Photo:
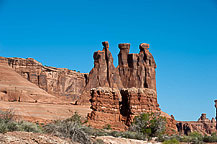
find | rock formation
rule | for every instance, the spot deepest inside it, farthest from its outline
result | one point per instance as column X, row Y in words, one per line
column 14, row 87
column 56, row 81
column 104, row 73
column 203, row 126
column 119, row 94
column 105, row 105
column 137, row 70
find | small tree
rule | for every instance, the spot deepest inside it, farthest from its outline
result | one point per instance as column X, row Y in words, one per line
column 149, row 124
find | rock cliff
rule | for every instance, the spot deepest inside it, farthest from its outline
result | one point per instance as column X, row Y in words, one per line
column 14, row 87
column 56, row 81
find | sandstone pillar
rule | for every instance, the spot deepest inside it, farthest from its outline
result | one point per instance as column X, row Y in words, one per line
column 123, row 55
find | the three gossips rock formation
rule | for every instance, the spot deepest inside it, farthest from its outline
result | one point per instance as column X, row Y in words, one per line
column 119, row 94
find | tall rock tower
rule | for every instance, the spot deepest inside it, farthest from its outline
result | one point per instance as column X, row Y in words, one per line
column 137, row 70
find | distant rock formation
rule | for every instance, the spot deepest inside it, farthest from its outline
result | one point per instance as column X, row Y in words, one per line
column 203, row 126
column 14, row 87
column 56, row 81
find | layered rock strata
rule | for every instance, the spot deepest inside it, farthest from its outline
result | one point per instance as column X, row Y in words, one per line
column 56, row 81
column 118, row 95
column 111, row 106
column 105, row 105
column 14, row 87
column 203, row 126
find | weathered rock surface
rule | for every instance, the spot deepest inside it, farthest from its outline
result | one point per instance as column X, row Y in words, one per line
column 137, row 70
column 56, row 81
column 105, row 105
column 117, row 108
column 104, row 73
column 14, row 87
column 119, row 94
column 31, row 138
column 115, row 140
column 203, row 126
column 136, row 101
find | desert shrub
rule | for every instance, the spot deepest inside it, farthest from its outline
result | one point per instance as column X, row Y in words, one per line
column 107, row 127
column 98, row 141
column 7, row 115
column 70, row 128
column 95, row 132
column 171, row 141
column 212, row 138
column 149, row 124
column 8, row 123
column 29, row 127
column 193, row 138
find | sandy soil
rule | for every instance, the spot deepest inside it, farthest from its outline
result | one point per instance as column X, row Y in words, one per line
column 43, row 113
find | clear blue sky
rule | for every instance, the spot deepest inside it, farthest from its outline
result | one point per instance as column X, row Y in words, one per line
column 182, row 35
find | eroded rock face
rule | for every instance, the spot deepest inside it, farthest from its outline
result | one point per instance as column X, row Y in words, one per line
column 105, row 105
column 203, row 126
column 104, row 73
column 136, row 101
column 13, row 87
column 119, row 94
column 137, row 70
column 117, row 108
column 56, row 81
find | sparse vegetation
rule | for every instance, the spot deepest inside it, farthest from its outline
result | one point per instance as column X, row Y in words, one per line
column 171, row 141
column 8, row 123
column 143, row 127
column 70, row 128
column 151, row 125
column 193, row 138
column 108, row 127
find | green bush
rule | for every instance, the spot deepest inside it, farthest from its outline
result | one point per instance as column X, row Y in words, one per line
column 108, row 127
column 149, row 124
column 212, row 138
column 29, row 127
column 171, row 141
column 8, row 123
column 70, row 128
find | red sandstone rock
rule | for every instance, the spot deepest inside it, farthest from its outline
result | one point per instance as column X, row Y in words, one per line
column 137, row 70
column 136, row 101
column 104, row 73
column 14, row 87
column 203, row 126
column 56, row 81
column 124, row 92
column 105, row 105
